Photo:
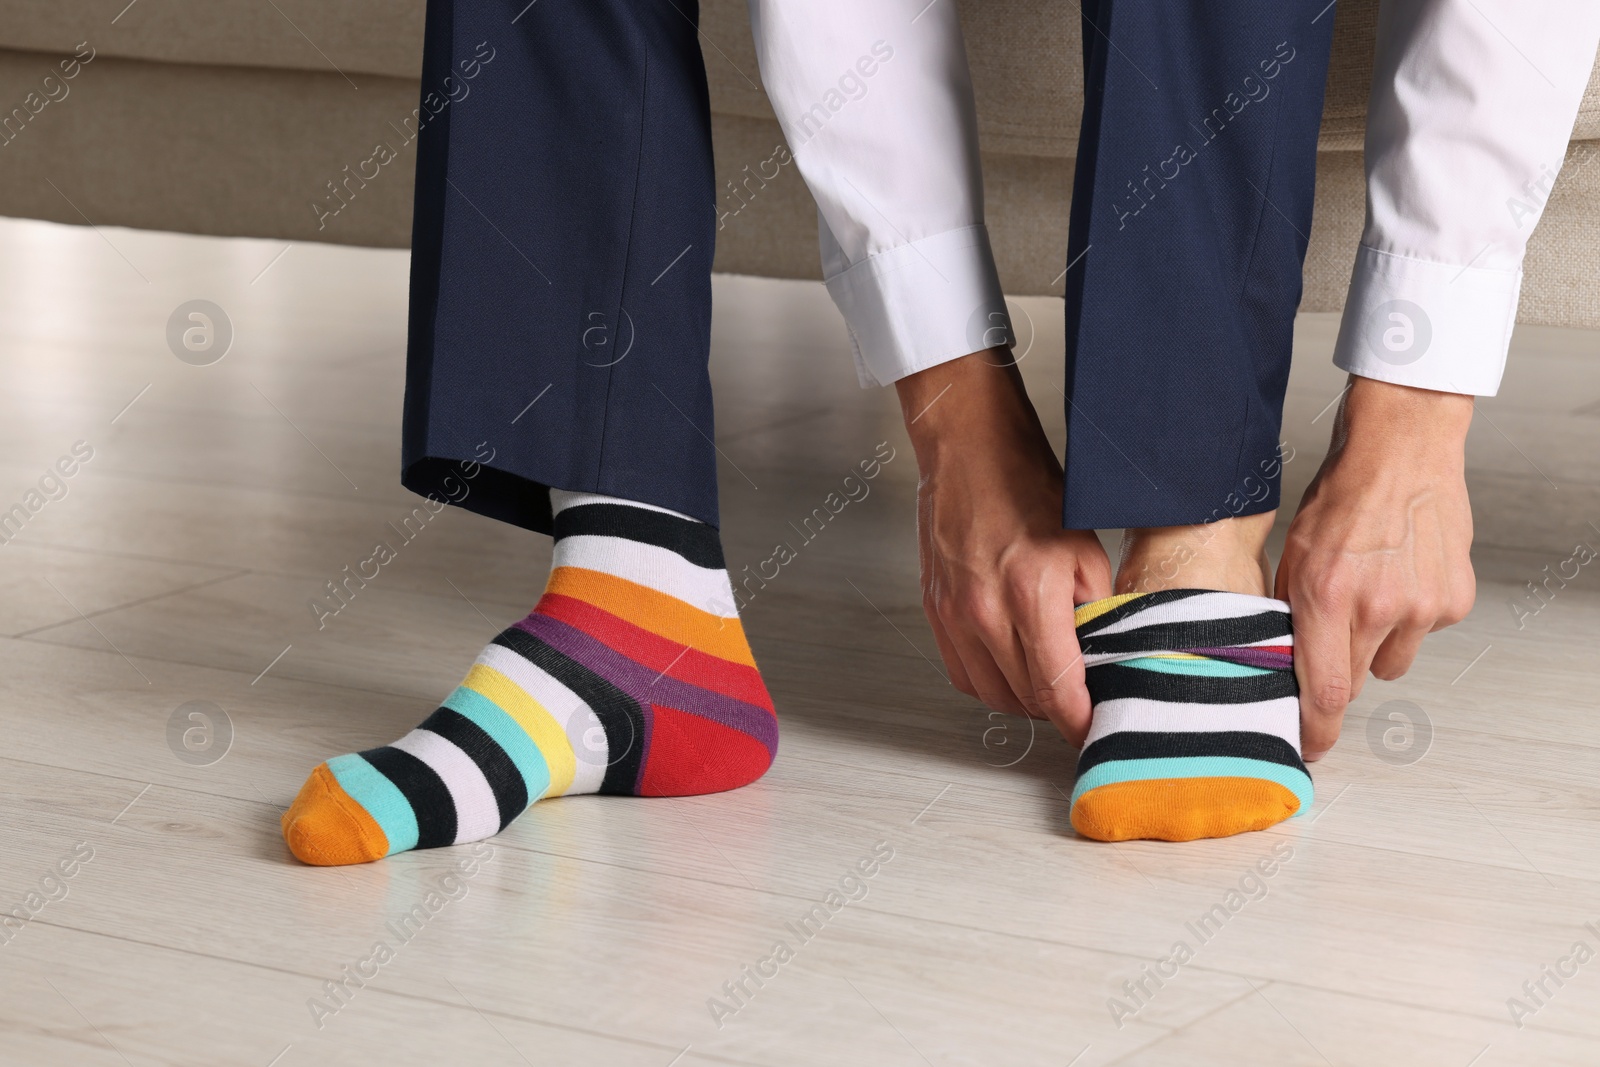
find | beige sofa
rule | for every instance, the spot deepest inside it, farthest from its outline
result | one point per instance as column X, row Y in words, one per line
column 232, row 116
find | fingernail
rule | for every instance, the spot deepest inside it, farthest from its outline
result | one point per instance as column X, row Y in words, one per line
column 1312, row 757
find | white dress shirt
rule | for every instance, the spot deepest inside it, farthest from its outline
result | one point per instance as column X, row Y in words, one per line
column 875, row 99
column 1473, row 102
column 1472, row 106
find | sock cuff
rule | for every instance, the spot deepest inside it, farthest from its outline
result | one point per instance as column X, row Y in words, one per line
column 1107, row 612
column 1227, row 629
column 621, row 538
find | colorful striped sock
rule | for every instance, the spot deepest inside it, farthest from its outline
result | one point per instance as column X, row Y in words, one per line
column 631, row 676
column 1196, row 728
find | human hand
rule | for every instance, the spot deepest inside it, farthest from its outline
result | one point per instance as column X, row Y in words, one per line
column 1000, row 577
column 1378, row 555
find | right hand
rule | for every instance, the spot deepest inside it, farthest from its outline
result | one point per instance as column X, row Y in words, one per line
column 1000, row 577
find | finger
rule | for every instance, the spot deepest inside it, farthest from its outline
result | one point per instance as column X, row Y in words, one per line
column 1365, row 640
column 1322, row 667
column 1398, row 651
column 994, row 688
column 1005, row 643
column 934, row 584
column 1092, row 580
column 947, row 652
column 986, row 639
column 1463, row 592
column 1020, row 675
column 964, row 650
column 999, row 636
column 1055, row 667
column 1060, row 693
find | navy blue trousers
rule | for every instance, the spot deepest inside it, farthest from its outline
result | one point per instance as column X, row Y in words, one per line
column 1190, row 214
column 565, row 224
column 561, row 259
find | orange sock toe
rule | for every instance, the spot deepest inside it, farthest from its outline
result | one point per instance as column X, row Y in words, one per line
column 326, row 828
column 1182, row 809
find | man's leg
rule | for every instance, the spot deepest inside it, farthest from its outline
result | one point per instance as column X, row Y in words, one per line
column 562, row 247
column 1191, row 206
column 560, row 324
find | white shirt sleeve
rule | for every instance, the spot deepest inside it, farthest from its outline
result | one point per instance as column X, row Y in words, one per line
column 875, row 100
column 1473, row 102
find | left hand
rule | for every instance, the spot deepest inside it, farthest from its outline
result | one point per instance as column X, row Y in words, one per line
column 1378, row 555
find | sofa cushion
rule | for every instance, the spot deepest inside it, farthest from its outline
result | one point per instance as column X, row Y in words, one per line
column 1027, row 73
column 1026, row 55
column 352, row 37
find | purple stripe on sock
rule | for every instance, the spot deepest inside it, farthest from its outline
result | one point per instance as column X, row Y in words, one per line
column 1250, row 657
column 649, row 687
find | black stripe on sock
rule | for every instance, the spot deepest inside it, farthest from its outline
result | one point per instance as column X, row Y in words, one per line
column 694, row 541
column 1145, row 600
column 619, row 714
column 1200, row 633
column 510, row 791
column 424, row 790
column 1112, row 681
column 1243, row 744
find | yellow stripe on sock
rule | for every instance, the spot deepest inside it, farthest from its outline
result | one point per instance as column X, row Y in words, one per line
column 1096, row 608
column 663, row 615
column 532, row 717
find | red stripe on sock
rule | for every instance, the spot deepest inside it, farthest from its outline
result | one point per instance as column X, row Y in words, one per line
column 690, row 755
column 658, row 653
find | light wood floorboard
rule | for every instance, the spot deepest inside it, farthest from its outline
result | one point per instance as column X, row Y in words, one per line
column 178, row 566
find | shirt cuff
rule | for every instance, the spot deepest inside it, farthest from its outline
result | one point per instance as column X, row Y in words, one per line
column 1429, row 325
column 923, row 303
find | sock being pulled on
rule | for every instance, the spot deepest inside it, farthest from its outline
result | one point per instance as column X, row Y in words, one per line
column 1196, row 727
column 631, row 676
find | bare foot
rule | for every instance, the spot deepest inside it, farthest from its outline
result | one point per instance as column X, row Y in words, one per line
column 1229, row 555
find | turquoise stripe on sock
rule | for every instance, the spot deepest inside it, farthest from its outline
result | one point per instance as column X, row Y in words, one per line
column 383, row 800
column 507, row 734
column 1143, row 770
column 1204, row 668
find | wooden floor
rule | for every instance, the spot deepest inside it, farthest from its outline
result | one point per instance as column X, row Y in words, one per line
column 1443, row 866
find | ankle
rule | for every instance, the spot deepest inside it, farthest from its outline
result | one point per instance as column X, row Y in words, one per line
column 1228, row 555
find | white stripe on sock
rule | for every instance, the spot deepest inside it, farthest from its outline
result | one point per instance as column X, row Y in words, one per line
column 657, row 568
column 1279, row 717
column 477, row 811
column 582, row 726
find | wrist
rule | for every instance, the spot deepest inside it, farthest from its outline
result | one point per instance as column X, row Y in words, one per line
column 975, row 405
column 1401, row 420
